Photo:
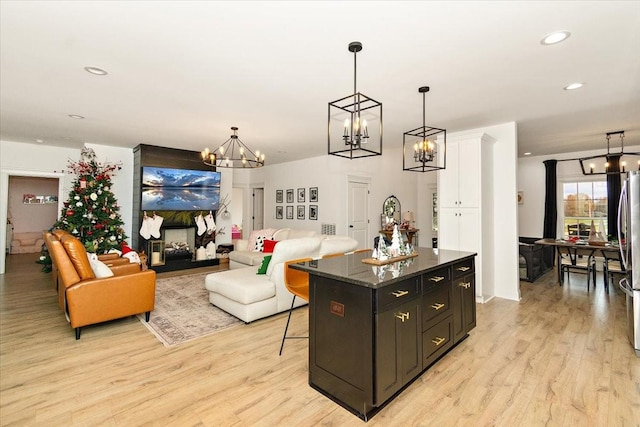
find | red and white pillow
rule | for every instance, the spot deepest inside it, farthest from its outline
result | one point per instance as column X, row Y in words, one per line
column 257, row 238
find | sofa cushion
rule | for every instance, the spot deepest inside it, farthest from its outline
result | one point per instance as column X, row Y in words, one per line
column 100, row 269
column 257, row 237
column 289, row 249
column 268, row 246
column 337, row 244
column 265, row 263
column 298, row 234
column 242, row 285
column 246, row 257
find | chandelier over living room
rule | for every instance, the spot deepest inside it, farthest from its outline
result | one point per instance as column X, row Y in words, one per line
column 611, row 163
column 355, row 121
column 233, row 153
column 424, row 148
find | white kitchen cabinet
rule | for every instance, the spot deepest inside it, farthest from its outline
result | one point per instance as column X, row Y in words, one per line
column 465, row 195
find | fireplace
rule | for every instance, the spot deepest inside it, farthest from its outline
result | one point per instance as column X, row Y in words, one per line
column 177, row 244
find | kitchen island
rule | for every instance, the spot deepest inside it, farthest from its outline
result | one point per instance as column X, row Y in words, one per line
column 375, row 329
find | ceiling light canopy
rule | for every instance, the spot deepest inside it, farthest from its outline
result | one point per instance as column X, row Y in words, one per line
column 233, row 153
column 555, row 37
column 574, row 86
column 611, row 162
column 95, row 70
column 355, row 121
column 424, row 148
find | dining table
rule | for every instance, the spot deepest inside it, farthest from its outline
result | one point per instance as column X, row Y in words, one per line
column 576, row 248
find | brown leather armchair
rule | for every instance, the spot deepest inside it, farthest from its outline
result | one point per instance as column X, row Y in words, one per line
column 89, row 300
column 109, row 259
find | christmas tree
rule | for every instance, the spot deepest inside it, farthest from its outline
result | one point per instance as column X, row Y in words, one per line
column 91, row 212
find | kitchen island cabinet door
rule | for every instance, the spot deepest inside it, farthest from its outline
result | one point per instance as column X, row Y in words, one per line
column 398, row 348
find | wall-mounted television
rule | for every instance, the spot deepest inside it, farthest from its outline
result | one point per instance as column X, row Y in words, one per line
column 166, row 189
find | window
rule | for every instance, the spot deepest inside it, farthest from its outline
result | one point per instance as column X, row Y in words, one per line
column 583, row 203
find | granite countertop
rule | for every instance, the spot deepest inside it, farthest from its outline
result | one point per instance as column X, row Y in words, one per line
column 351, row 269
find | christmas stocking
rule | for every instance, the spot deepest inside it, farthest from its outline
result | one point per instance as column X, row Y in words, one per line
column 202, row 227
column 154, row 227
column 211, row 224
column 144, row 229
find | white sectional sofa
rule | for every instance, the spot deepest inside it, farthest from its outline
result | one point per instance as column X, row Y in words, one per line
column 250, row 296
column 243, row 256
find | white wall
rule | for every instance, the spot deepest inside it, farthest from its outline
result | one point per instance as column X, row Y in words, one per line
column 32, row 217
column 330, row 174
column 19, row 159
column 531, row 180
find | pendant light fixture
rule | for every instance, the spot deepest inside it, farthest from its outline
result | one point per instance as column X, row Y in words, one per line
column 233, row 153
column 355, row 121
column 612, row 162
column 424, row 148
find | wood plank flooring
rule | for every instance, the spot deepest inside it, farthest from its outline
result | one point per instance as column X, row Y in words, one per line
column 559, row 357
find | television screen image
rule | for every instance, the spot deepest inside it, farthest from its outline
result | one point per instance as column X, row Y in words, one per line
column 179, row 189
column 165, row 177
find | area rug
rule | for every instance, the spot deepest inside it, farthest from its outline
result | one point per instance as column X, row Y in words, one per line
column 183, row 312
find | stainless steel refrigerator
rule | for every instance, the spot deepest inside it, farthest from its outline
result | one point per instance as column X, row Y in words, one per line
column 629, row 230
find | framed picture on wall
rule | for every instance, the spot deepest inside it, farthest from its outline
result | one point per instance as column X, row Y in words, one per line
column 290, row 195
column 289, row 212
column 313, row 194
column 278, row 196
column 278, row 212
column 301, row 195
column 313, row 212
column 300, row 211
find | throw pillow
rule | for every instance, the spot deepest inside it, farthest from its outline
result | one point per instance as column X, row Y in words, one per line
column 264, row 265
column 268, row 246
column 100, row 269
column 257, row 237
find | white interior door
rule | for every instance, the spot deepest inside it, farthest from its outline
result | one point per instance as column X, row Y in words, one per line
column 358, row 215
column 258, row 209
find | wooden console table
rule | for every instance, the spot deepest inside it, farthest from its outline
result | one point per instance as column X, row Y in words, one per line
column 375, row 329
column 409, row 232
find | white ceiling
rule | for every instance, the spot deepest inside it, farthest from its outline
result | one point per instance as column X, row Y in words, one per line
column 182, row 73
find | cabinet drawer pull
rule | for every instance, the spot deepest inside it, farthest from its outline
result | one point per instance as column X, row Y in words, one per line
column 399, row 294
column 437, row 306
column 465, row 285
column 463, row 268
column 438, row 340
column 402, row 316
column 436, row 278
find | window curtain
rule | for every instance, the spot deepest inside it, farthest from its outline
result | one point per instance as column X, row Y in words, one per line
column 550, row 200
column 614, row 188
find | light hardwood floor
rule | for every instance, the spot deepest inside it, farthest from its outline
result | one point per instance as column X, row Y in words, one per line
column 558, row 357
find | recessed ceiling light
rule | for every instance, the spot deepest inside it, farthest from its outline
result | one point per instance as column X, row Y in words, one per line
column 76, row 116
column 527, row 153
column 555, row 37
column 573, row 86
column 39, row 141
column 95, row 70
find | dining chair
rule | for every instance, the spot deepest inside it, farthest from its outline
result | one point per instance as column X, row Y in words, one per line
column 612, row 266
column 576, row 260
column 297, row 282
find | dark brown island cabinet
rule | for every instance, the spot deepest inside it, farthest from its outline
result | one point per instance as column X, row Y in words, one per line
column 375, row 329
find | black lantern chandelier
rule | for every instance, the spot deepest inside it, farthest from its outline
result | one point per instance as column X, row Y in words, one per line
column 233, row 153
column 611, row 163
column 355, row 122
column 424, row 148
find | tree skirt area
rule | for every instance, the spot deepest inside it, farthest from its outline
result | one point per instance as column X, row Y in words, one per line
column 183, row 311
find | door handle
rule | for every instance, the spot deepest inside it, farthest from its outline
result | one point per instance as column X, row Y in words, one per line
column 350, row 226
